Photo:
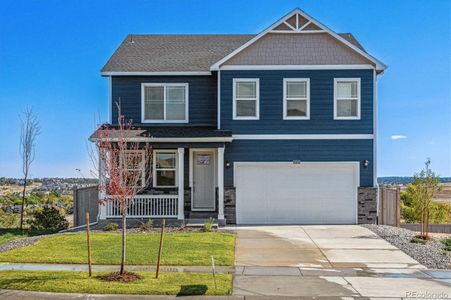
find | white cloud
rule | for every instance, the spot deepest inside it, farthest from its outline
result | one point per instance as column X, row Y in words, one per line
column 398, row 137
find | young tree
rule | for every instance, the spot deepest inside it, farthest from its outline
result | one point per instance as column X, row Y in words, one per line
column 121, row 162
column 423, row 189
column 29, row 131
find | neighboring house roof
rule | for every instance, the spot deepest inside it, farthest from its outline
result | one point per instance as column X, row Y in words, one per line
column 200, row 53
column 157, row 132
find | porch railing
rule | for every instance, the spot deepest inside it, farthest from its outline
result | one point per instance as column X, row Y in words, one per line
column 146, row 206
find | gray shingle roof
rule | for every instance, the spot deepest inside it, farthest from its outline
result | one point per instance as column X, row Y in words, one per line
column 178, row 52
column 166, row 132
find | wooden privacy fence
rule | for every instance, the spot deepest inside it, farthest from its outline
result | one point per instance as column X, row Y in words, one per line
column 86, row 199
column 389, row 206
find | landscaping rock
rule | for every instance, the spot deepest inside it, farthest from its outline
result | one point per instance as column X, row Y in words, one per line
column 432, row 254
column 22, row 242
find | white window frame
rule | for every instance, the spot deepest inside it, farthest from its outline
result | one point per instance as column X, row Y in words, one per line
column 143, row 167
column 257, row 99
column 154, row 168
column 336, row 80
column 285, row 99
column 164, row 85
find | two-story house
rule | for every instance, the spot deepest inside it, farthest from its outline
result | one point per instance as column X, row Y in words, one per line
column 273, row 128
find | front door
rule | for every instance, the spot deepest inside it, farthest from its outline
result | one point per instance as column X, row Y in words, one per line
column 203, row 181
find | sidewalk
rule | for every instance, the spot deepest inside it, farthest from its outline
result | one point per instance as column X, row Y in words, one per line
column 342, row 282
column 113, row 268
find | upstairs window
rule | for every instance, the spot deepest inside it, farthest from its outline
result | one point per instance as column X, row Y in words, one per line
column 165, row 102
column 296, row 99
column 164, row 168
column 347, row 98
column 246, row 99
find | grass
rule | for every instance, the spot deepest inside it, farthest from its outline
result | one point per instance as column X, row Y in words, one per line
column 9, row 234
column 79, row 282
column 447, row 243
column 183, row 249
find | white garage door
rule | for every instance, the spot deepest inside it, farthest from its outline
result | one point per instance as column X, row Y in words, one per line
column 306, row 193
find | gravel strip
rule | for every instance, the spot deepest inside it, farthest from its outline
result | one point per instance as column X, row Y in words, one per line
column 430, row 255
column 22, row 242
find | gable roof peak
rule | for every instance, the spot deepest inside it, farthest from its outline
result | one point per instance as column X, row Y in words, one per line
column 299, row 22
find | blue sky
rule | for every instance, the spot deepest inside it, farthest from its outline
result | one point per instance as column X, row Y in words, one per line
column 51, row 53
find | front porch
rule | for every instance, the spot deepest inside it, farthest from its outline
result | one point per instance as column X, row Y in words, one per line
column 187, row 183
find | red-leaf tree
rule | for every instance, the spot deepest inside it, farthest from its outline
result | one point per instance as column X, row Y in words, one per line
column 123, row 169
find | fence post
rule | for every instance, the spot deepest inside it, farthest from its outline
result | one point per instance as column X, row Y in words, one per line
column 163, row 224
column 398, row 206
column 89, row 244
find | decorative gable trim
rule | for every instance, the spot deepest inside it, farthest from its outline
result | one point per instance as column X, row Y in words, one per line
column 298, row 21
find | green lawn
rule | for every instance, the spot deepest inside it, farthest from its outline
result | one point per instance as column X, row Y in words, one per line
column 7, row 234
column 79, row 282
column 183, row 249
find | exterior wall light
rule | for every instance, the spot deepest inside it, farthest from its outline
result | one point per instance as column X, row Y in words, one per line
column 227, row 164
column 366, row 163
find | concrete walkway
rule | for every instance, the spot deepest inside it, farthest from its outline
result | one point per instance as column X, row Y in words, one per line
column 113, row 268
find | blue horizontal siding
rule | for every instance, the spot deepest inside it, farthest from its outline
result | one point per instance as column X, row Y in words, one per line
column 321, row 103
column 202, row 97
column 303, row 150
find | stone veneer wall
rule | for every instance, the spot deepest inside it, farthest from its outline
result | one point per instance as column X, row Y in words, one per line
column 230, row 205
column 367, row 205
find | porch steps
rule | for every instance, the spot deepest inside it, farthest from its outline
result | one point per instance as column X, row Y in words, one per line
column 199, row 223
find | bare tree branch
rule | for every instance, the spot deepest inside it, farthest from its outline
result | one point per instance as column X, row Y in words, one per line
column 30, row 129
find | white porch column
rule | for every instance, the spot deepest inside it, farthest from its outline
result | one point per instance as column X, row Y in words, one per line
column 102, row 208
column 221, row 183
column 181, row 184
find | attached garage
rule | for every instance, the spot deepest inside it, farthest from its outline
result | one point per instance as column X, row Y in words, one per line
column 305, row 193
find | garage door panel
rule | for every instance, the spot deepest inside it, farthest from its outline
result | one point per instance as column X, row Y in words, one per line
column 319, row 193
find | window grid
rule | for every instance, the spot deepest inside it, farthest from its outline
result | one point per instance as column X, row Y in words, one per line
column 287, row 98
column 159, row 169
column 350, row 98
column 165, row 101
column 236, row 81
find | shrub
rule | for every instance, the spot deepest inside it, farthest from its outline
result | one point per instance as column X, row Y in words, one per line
column 208, row 226
column 418, row 240
column 447, row 243
column 8, row 219
column 49, row 217
column 439, row 212
column 146, row 226
column 111, row 227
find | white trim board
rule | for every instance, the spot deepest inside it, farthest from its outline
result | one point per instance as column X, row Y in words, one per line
column 303, row 136
column 296, row 67
column 171, row 140
column 170, row 73
column 379, row 65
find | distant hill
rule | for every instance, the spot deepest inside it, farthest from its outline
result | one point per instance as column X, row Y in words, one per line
column 395, row 180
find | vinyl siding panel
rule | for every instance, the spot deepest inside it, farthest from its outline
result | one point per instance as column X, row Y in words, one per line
column 202, row 93
column 303, row 150
column 321, row 103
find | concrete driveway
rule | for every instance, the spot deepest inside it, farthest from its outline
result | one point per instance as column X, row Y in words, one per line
column 328, row 261
column 325, row 246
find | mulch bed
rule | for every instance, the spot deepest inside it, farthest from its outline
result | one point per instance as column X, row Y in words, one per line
column 116, row 276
